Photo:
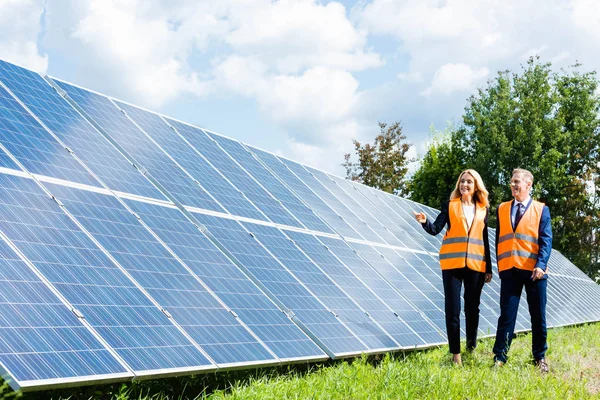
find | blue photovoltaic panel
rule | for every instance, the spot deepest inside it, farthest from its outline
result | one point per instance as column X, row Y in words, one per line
column 404, row 209
column 322, row 287
column 263, row 267
column 34, row 147
column 403, row 217
column 40, row 338
column 334, row 185
column 304, row 192
column 360, row 229
column 76, row 133
column 235, row 174
column 144, row 337
column 145, row 153
column 211, row 180
column 242, row 155
column 379, row 210
column 420, row 330
column 234, row 288
column 431, row 307
column 167, row 281
column 355, row 288
column 559, row 264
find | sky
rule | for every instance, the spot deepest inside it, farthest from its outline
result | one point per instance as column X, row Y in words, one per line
column 299, row 78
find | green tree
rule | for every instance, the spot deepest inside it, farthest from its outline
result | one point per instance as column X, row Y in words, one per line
column 548, row 123
column 384, row 164
column 439, row 168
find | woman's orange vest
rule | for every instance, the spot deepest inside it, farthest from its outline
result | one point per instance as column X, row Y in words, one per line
column 462, row 247
column 518, row 248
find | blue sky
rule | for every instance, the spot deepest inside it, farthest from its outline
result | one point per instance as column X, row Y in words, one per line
column 300, row 78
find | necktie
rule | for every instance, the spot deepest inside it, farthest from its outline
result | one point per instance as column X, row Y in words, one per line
column 519, row 215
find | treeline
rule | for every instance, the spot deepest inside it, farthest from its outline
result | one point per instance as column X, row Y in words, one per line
column 543, row 120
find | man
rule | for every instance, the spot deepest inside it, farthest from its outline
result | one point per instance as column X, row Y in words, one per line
column 523, row 245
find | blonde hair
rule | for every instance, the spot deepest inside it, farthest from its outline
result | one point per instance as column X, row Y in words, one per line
column 481, row 194
column 523, row 172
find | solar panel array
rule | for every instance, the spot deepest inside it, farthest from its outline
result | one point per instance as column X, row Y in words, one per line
column 133, row 245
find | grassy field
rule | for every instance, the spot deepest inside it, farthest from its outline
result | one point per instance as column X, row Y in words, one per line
column 574, row 358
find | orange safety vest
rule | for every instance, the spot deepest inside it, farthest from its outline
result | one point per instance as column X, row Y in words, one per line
column 518, row 248
column 462, row 247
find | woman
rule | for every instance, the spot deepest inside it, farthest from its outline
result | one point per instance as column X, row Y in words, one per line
column 464, row 256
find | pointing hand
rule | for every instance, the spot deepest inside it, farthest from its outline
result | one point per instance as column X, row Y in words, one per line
column 420, row 217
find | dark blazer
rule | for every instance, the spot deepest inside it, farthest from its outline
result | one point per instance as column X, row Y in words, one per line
column 435, row 227
column 544, row 238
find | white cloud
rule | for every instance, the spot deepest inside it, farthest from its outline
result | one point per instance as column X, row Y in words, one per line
column 450, row 78
column 292, row 35
column 19, row 28
column 132, row 46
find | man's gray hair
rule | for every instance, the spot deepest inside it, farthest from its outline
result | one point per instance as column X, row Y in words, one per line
column 523, row 172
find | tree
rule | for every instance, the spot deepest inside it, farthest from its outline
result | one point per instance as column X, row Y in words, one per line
column 439, row 168
column 384, row 164
column 548, row 123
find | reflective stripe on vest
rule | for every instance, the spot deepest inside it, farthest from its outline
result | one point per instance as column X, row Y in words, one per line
column 518, row 248
column 460, row 247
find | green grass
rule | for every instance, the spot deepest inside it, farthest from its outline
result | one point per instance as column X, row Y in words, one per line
column 573, row 355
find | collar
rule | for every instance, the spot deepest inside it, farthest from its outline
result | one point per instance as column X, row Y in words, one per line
column 525, row 203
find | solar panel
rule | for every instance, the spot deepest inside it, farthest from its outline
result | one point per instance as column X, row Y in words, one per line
column 163, row 277
column 422, row 329
column 360, row 229
column 415, row 292
column 368, row 299
column 221, row 276
column 133, row 245
column 322, row 324
column 41, row 341
column 318, row 283
column 252, row 189
column 199, row 169
column 34, row 147
column 353, row 204
column 386, row 215
column 108, row 300
column 275, row 165
column 304, row 214
column 144, row 151
column 77, row 135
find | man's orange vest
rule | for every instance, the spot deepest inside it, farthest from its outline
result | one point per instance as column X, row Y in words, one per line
column 462, row 247
column 518, row 248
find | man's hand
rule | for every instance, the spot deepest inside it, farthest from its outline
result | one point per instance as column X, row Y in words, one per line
column 420, row 217
column 488, row 277
column 538, row 273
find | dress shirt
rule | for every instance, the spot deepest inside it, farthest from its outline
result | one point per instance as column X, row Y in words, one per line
column 515, row 207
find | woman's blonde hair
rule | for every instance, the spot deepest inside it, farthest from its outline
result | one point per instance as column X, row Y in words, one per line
column 481, row 194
